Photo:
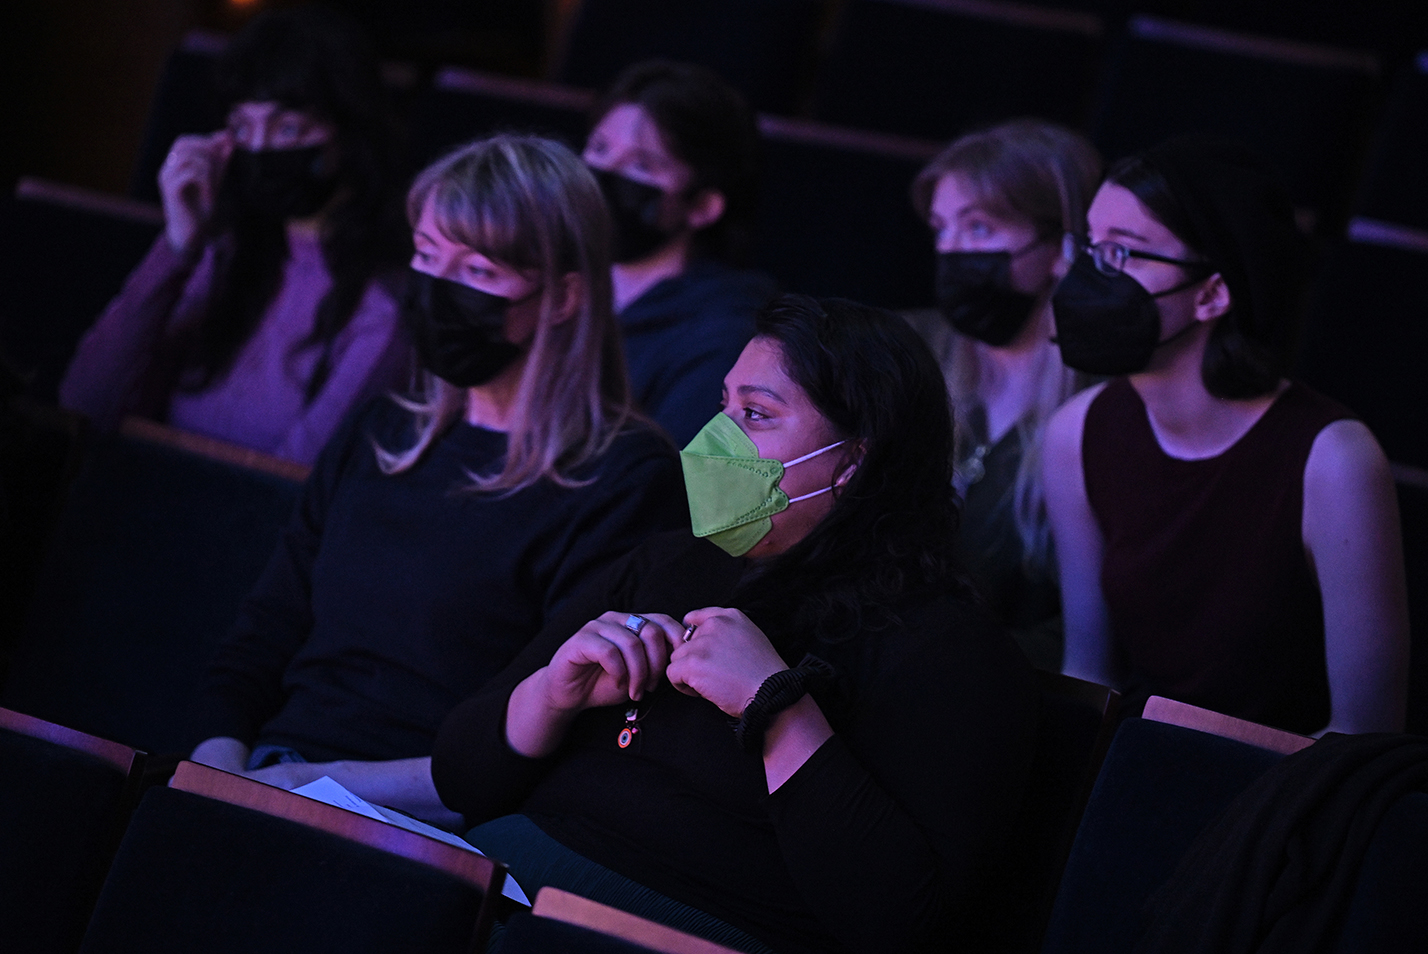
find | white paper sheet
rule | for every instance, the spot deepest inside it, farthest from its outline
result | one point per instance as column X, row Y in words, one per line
column 326, row 790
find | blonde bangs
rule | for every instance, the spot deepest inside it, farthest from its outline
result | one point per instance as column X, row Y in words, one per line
column 532, row 205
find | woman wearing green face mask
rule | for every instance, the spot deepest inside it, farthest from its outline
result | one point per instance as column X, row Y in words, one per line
column 796, row 730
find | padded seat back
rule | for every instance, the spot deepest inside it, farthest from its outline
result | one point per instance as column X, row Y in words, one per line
column 1394, row 187
column 1305, row 107
column 1074, row 729
column 834, row 215
column 760, row 47
column 1366, row 339
column 63, row 255
column 62, row 808
column 186, row 101
column 1387, row 913
column 198, row 874
column 153, row 554
column 938, row 68
column 461, row 105
column 1158, row 787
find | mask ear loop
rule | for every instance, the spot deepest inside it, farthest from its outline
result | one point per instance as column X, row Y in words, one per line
column 799, row 460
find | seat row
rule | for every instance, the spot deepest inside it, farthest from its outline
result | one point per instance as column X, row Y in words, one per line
column 222, row 863
column 932, row 69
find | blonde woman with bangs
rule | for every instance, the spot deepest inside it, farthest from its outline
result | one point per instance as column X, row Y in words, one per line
column 438, row 531
column 999, row 202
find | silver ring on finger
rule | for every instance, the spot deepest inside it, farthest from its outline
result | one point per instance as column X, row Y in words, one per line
column 634, row 623
column 689, row 632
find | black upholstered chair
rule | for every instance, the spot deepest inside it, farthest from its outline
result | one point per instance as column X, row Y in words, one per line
column 154, row 552
column 1366, row 340
column 186, row 101
column 460, row 105
column 1159, row 786
column 565, row 923
column 1074, row 729
column 221, row 863
column 1386, row 914
column 64, row 799
column 1393, row 187
column 936, row 70
column 1306, row 107
column 834, row 216
column 64, row 252
column 761, row 47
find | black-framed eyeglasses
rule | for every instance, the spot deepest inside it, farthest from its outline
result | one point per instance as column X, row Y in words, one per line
column 1110, row 257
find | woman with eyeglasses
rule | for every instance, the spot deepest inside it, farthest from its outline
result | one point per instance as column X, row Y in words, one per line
column 1226, row 536
column 999, row 202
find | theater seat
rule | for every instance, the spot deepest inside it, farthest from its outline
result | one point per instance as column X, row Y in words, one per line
column 834, row 215
column 760, row 47
column 565, row 923
column 461, row 105
column 1158, row 787
column 220, row 863
column 64, row 252
column 64, row 799
column 1075, row 722
column 1394, row 187
column 938, row 68
column 154, row 551
column 1306, row 107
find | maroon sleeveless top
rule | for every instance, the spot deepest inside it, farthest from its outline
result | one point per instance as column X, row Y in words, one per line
column 1205, row 577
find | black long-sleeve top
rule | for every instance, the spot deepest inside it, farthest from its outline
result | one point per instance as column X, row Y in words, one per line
column 874, row 843
column 390, row 598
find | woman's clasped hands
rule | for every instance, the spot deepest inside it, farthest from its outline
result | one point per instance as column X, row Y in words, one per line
column 716, row 653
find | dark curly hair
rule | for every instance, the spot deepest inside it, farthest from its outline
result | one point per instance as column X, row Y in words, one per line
column 314, row 60
column 891, row 531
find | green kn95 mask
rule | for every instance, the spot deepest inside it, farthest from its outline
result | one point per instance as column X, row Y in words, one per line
column 732, row 490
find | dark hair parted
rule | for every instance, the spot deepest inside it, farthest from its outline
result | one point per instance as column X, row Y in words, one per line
column 1226, row 205
column 891, row 530
column 316, row 61
column 705, row 123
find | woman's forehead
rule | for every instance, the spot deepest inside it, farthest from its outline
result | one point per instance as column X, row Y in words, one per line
column 761, row 367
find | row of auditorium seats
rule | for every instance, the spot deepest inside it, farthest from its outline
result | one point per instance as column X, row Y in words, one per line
column 131, row 577
column 221, row 863
column 835, row 220
column 931, row 69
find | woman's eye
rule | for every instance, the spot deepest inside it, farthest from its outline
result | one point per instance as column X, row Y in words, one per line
column 750, row 414
column 979, row 229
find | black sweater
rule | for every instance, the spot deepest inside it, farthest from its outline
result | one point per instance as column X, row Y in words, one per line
column 391, row 598
column 873, row 844
column 683, row 335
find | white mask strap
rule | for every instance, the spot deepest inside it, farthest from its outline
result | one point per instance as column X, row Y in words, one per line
column 805, row 457
column 794, row 500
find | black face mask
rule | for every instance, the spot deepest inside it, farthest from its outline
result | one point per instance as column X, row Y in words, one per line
column 280, row 183
column 635, row 209
column 1108, row 324
column 460, row 332
column 975, row 294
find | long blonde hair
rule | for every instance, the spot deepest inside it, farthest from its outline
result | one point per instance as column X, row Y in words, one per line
column 1045, row 174
column 531, row 204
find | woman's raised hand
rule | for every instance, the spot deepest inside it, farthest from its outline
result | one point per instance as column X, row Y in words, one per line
column 725, row 660
column 606, row 662
column 188, row 185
